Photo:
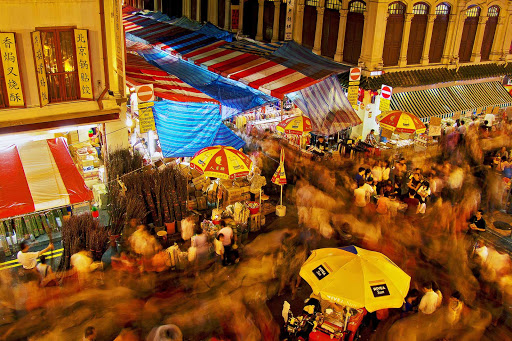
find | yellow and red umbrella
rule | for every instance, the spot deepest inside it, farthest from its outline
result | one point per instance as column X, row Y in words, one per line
column 221, row 162
column 296, row 125
column 401, row 122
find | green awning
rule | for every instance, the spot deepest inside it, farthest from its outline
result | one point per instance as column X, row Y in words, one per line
column 445, row 101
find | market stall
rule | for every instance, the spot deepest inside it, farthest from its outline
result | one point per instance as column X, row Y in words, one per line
column 27, row 206
column 400, row 129
column 347, row 283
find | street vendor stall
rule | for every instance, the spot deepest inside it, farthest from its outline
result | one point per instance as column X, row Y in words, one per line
column 347, row 282
column 399, row 128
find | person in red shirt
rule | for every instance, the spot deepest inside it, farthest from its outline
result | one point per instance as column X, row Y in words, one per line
column 413, row 204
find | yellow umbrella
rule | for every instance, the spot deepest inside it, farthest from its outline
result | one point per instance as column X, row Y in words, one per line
column 296, row 125
column 401, row 122
column 356, row 278
column 221, row 162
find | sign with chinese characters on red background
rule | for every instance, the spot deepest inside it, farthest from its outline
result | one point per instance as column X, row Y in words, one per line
column 84, row 64
column 235, row 16
column 11, row 70
column 40, row 68
column 288, row 28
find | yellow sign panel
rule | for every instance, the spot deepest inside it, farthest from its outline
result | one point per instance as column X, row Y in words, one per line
column 146, row 120
column 353, row 93
column 384, row 104
column 11, row 70
column 146, row 104
column 40, row 68
column 84, row 64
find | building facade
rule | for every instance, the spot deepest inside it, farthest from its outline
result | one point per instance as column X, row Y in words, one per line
column 376, row 35
column 62, row 64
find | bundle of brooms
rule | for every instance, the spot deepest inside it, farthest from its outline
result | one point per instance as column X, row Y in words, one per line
column 82, row 232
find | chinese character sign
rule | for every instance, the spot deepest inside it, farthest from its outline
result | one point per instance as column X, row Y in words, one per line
column 11, row 70
column 40, row 68
column 119, row 34
column 83, row 62
column 235, row 15
column 288, row 28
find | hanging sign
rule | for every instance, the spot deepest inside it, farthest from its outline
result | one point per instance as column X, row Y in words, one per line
column 40, row 68
column 496, row 110
column 385, row 98
column 84, row 64
column 288, row 28
column 11, row 69
column 434, row 130
column 456, row 115
column 235, row 17
column 435, row 121
column 146, row 119
column 488, row 110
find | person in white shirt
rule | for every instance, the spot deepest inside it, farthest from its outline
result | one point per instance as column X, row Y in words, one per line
column 363, row 193
column 428, row 303
column 481, row 251
column 377, row 172
column 29, row 259
column 385, row 171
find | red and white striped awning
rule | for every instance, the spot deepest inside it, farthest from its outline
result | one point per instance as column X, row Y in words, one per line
column 39, row 175
column 269, row 77
column 139, row 71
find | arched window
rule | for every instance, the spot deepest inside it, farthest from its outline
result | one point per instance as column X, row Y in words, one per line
column 313, row 3
column 394, row 31
column 420, row 9
column 490, row 29
column 442, row 9
column 357, row 6
column 439, row 33
column 417, row 32
column 469, row 33
column 333, row 4
column 354, row 31
column 473, row 11
column 396, row 8
column 330, row 28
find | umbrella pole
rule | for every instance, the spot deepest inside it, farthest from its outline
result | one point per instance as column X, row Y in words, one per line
column 218, row 185
column 281, row 195
column 260, row 197
column 347, row 317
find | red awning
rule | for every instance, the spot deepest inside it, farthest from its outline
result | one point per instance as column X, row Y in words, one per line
column 39, row 175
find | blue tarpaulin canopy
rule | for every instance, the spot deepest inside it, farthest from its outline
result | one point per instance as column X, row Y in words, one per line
column 234, row 97
column 186, row 128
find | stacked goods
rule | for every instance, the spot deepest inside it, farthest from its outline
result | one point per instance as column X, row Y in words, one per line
column 86, row 160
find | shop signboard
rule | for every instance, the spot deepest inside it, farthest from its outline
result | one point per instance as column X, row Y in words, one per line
column 385, row 97
column 84, row 64
column 40, row 68
column 456, row 115
column 12, row 75
column 120, row 49
column 235, row 16
column 496, row 110
column 288, row 28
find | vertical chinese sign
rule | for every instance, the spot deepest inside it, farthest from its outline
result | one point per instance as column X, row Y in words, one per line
column 120, row 50
column 40, row 68
column 84, row 64
column 235, row 15
column 288, row 29
column 11, row 70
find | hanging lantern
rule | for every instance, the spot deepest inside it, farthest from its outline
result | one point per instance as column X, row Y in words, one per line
column 95, row 212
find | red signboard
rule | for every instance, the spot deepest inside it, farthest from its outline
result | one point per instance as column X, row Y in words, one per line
column 386, row 92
